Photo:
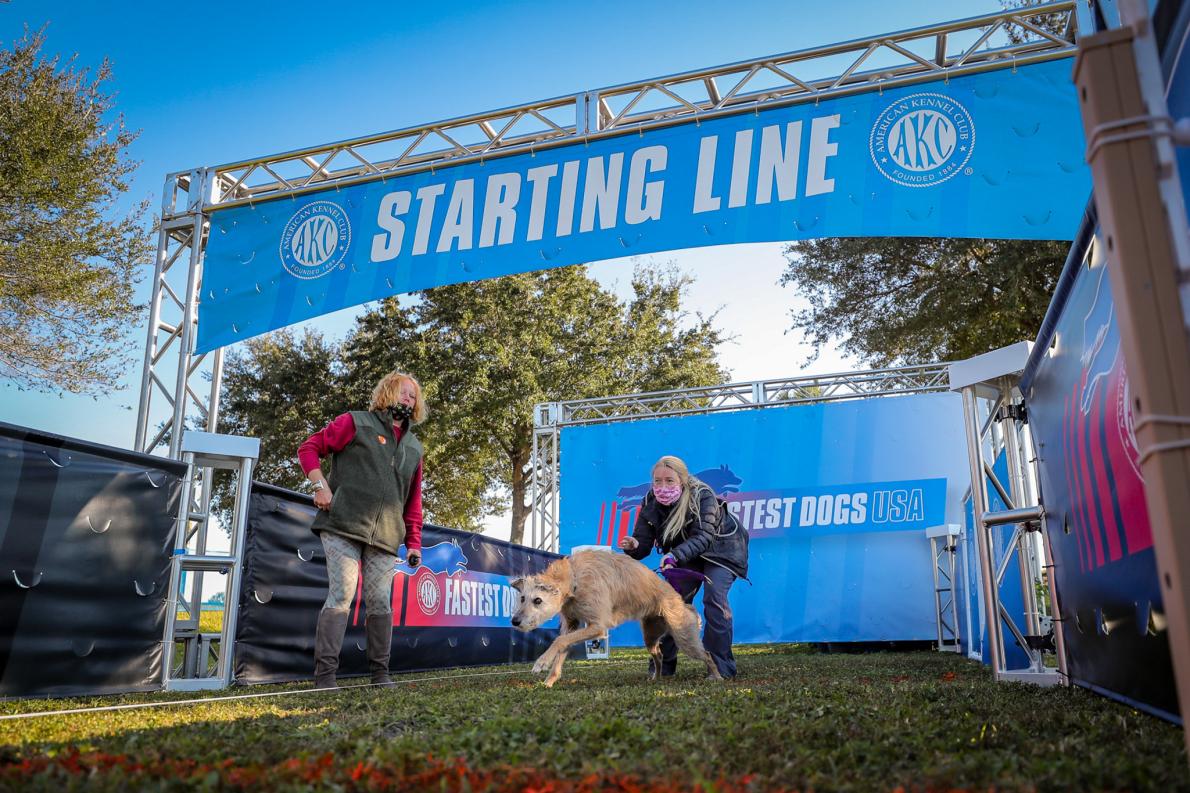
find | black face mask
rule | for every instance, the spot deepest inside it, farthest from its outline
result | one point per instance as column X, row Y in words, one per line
column 401, row 412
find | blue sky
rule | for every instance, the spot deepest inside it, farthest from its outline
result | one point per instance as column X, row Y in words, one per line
column 214, row 82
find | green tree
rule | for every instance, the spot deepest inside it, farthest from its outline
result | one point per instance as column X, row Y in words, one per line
column 487, row 352
column 67, row 271
column 1051, row 23
column 386, row 338
column 280, row 388
column 908, row 300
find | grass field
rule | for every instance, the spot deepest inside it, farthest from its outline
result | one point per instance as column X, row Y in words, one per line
column 795, row 719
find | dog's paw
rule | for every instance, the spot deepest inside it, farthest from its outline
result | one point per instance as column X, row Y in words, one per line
column 543, row 663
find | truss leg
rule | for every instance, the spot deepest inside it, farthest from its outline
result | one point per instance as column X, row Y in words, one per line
column 173, row 321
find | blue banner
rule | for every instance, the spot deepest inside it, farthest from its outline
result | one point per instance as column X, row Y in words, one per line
column 835, row 497
column 997, row 154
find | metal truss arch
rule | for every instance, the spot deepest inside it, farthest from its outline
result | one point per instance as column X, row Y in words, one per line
column 874, row 63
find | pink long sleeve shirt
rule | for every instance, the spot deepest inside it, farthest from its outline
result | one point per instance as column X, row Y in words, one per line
column 334, row 438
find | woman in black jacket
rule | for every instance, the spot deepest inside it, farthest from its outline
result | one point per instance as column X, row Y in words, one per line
column 683, row 519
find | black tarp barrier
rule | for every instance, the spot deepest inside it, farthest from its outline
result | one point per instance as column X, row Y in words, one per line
column 86, row 533
column 454, row 610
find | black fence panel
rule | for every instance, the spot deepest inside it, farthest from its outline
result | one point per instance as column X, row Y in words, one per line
column 86, row 533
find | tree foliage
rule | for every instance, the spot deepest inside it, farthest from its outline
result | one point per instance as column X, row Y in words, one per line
column 280, row 388
column 486, row 353
column 914, row 300
column 67, row 271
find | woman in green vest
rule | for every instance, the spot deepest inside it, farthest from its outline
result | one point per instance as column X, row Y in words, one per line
column 369, row 505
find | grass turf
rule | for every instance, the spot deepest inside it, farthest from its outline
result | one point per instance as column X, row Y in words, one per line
column 794, row 719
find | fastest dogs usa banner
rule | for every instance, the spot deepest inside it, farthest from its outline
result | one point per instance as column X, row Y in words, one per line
column 997, row 154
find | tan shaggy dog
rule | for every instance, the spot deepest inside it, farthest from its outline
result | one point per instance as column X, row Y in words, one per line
column 604, row 590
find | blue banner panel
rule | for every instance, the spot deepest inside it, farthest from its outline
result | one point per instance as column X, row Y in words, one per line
column 453, row 610
column 998, row 154
column 836, row 498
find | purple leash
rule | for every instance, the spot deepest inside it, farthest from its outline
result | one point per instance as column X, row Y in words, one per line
column 676, row 576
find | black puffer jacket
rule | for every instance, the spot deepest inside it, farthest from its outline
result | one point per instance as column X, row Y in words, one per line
column 714, row 534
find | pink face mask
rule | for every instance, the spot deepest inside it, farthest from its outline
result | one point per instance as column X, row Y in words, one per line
column 667, row 495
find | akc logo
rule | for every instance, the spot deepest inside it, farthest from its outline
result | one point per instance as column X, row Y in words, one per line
column 428, row 594
column 315, row 240
column 922, row 140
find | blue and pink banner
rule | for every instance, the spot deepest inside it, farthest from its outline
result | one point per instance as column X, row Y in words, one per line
column 997, row 154
column 1080, row 410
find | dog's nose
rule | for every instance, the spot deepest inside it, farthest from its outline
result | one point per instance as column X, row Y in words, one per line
column 516, row 620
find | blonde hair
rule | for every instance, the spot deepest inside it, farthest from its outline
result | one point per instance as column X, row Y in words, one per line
column 384, row 395
column 688, row 502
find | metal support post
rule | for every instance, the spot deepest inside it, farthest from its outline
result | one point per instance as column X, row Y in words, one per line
column 204, row 453
column 991, row 378
column 943, row 548
column 979, row 506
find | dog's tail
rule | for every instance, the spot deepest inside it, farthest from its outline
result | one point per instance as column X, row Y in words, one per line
column 676, row 611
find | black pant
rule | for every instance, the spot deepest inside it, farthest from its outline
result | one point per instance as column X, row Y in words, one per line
column 716, row 612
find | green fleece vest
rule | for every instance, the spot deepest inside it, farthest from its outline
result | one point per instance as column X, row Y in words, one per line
column 369, row 484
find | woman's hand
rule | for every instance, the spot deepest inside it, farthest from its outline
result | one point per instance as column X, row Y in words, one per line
column 628, row 544
column 322, row 498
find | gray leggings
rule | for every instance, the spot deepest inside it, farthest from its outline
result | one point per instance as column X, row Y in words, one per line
column 342, row 568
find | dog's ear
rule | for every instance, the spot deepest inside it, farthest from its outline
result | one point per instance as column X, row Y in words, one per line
column 518, row 585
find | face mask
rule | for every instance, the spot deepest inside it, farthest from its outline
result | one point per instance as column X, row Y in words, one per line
column 667, row 495
column 401, row 412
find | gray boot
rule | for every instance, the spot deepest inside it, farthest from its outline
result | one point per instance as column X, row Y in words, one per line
column 328, row 640
column 380, row 641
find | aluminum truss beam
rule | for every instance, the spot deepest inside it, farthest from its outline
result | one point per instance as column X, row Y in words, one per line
column 550, row 417
column 873, row 63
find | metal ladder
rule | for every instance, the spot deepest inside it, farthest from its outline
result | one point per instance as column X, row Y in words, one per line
column 204, row 453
